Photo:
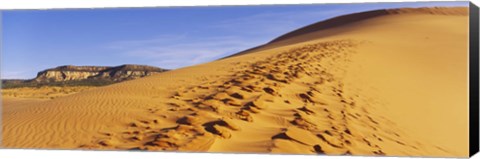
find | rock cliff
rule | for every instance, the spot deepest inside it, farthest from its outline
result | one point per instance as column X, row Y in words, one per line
column 85, row 75
column 75, row 73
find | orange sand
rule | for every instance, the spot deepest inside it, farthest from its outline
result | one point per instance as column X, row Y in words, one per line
column 392, row 84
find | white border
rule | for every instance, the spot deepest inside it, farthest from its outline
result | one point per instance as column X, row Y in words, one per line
column 77, row 154
column 48, row 4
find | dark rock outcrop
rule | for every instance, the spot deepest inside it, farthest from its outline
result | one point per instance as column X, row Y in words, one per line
column 118, row 73
column 85, row 75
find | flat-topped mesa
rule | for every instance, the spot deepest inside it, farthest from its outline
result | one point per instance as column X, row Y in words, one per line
column 78, row 68
column 77, row 73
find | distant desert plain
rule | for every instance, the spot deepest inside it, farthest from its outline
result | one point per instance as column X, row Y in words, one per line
column 385, row 82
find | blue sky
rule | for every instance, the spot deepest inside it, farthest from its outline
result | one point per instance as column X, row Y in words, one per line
column 167, row 37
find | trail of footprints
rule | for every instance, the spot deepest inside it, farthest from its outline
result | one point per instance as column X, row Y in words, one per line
column 212, row 111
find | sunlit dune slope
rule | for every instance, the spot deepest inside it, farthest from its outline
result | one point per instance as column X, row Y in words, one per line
column 390, row 84
column 316, row 30
column 45, row 92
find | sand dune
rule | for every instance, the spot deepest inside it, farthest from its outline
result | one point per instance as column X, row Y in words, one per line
column 393, row 84
column 46, row 92
column 327, row 28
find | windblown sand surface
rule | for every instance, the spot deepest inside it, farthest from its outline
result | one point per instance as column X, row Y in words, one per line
column 393, row 84
column 46, row 92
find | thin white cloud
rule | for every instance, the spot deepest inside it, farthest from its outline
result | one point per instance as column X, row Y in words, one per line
column 136, row 43
column 277, row 23
column 15, row 75
column 175, row 53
